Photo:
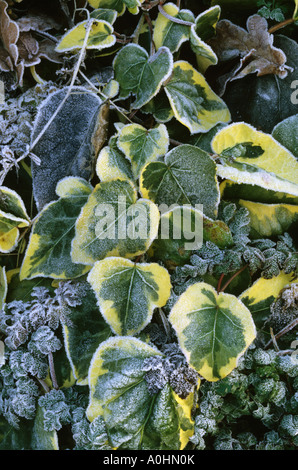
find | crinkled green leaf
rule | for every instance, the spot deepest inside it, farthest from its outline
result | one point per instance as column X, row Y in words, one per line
column 141, row 75
column 128, row 292
column 187, row 176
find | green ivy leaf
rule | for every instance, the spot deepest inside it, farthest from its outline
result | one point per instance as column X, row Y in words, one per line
column 193, row 102
column 41, row 439
column 114, row 223
column 48, row 250
column 213, row 329
column 100, row 37
column 168, row 33
column 13, row 216
column 134, row 418
column 128, row 292
column 142, row 146
column 187, row 176
column 141, row 75
column 203, row 29
column 112, row 163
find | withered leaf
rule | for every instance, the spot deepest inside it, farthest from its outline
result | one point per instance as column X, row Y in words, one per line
column 253, row 47
column 37, row 22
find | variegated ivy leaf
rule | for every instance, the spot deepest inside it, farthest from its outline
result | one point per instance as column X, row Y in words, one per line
column 84, row 332
column 187, row 176
column 168, row 33
column 182, row 230
column 128, row 292
column 253, row 157
column 42, row 439
column 100, row 36
column 213, row 329
column 194, row 103
column 141, row 75
column 118, row 5
column 112, row 163
column 13, row 216
column 203, row 29
column 142, row 146
column 295, row 14
column 48, row 250
column 269, row 220
column 262, row 293
column 135, row 418
column 114, row 223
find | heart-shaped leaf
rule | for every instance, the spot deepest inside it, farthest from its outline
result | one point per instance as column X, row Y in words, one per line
column 128, row 292
column 142, row 146
column 48, row 250
column 112, row 163
column 133, row 416
column 213, row 329
column 141, row 75
column 13, row 216
column 194, row 103
column 114, row 223
column 187, row 176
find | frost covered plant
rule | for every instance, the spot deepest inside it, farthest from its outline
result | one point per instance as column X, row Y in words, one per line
column 148, row 275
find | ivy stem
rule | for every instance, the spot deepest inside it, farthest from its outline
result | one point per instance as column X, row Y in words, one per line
column 52, row 371
column 281, row 25
column 219, row 282
column 222, row 289
column 282, row 332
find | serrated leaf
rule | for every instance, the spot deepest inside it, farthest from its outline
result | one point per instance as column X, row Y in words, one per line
column 142, row 146
column 141, row 75
column 213, row 329
column 168, row 33
column 204, row 29
column 286, row 134
column 48, row 250
column 262, row 293
column 112, row 163
column 100, row 36
column 114, row 222
column 253, row 157
column 268, row 220
column 84, row 332
column 187, row 176
column 134, row 418
column 193, row 102
column 66, row 148
column 128, row 292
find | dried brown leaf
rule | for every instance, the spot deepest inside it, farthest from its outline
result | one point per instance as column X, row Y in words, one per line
column 254, row 48
column 37, row 22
